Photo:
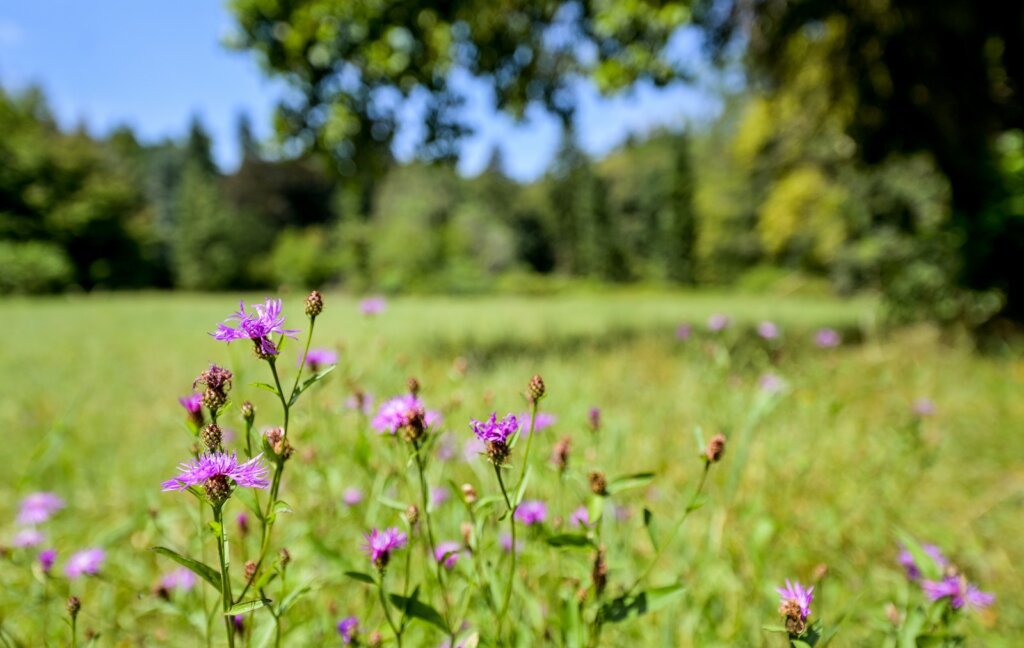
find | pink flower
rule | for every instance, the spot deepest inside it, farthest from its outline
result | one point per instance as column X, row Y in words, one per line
column 447, row 554
column 795, row 593
column 27, row 538
column 265, row 320
column 37, row 508
column 251, row 474
column 373, row 306
column 827, row 338
column 768, row 330
column 87, row 561
column 380, row 544
column 958, row 591
column 532, row 512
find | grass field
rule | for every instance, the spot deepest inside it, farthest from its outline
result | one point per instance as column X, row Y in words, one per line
column 823, row 472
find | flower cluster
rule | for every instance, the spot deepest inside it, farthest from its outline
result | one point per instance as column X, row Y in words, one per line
column 265, row 320
column 218, row 383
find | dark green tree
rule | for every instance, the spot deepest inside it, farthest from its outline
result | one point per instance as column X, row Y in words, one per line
column 681, row 230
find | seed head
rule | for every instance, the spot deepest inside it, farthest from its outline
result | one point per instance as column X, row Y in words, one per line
column 314, row 304
column 536, row 390
column 716, row 448
column 414, row 386
column 598, row 483
column 74, row 604
column 211, row 436
column 469, row 493
column 560, row 454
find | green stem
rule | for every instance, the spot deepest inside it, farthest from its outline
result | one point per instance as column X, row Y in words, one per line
column 529, row 443
column 302, row 365
column 387, row 611
column 512, row 563
column 74, row 631
column 438, row 569
column 225, row 576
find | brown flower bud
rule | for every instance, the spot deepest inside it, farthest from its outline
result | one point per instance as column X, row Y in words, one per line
column 314, row 304
column 211, row 436
column 560, row 454
column 248, row 412
column 467, row 533
column 715, row 449
column 375, row 639
column 250, row 570
column 74, row 604
column 598, row 483
column 599, row 574
column 893, row 614
column 536, row 389
column 284, row 556
column 412, row 514
column 820, row 572
column 217, row 489
column 469, row 493
column 414, row 386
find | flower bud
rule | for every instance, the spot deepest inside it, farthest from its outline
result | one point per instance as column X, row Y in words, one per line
column 560, row 454
column 374, row 639
column 74, row 604
column 536, row 389
column 243, row 524
column 211, row 436
column 598, row 483
column 715, row 449
column 412, row 514
column 469, row 493
column 594, row 419
column 467, row 533
column 820, row 572
column 284, row 555
column 599, row 573
column 414, row 386
column 250, row 570
column 314, row 304
column 218, row 383
column 893, row 614
column 248, row 412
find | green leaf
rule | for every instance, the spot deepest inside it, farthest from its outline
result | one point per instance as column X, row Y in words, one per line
column 595, row 510
column 628, row 607
column 361, row 577
column 484, row 502
column 291, row 598
column 639, row 480
column 309, row 382
column 521, row 491
column 573, row 540
column 391, row 503
column 775, row 628
column 269, row 388
column 247, row 606
column 649, row 525
column 419, row 610
column 201, row 570
column 571, row 623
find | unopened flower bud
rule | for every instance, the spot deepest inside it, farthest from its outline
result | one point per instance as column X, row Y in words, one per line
column 414, row 386
column 374, row 639
column 467, row 533
column 284, row 556
column 248, row 412
column 250, row 570
column 715, row 449
column 217, row 489
column 536, row 389
column 314, row 304
column 74, row 604
column 243, row 524
column 278, row 443
column 211, row 436
column 893, row 614
column 218, row 383
column 598, row 483
column 819, row 572
column 469, row 493
column 560, row 453
column 412, row 514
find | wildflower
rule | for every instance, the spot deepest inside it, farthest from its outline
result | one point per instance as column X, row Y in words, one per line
column 284, row 556
column 594, row 419
column 473, row 447
column 73, row 605
column 193, row 404
column 380, row 544
column 447, row 554
column 238, row 622
column 719, row 322
column 541, row 421
column 469, row 493
column 360, row 401
column 372, row 306
column 27, row 538
column 536, row 389
column 243, row 524
column 716, row 448
column 352, row 496
column 179, row 579
column 218, row 383
column 402, row 411
column 439, row 495
column 767, row 330
column 580, row 517
column 314, row 304
column 913, row 570
column 446, row 448
column 827, row 338
column 46, row 559
column 279, row 444
column 924, row 407
column 319, row 358
column 795, row 606
column 683, row 332
column 505, row 540
column 211, row 436
column 771, row 383
column 347, row 628
column 958, row 591
column 37, row 508
column 87, row 561
column 495, row 435
column 560, row 453
column 532, row 512
column 414, row 386
column 598, row 483
column 218, row 472
column 599, row 573
column 256, row 326
column 412, row 515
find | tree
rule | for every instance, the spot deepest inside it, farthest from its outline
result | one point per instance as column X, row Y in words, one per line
column 681, row 235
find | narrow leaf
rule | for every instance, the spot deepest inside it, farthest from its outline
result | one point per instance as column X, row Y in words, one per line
column 573, row 540
column 247, row 606
column 201, row 570
column 639, row 480
column 291, row 598
column 649, row 525
column 521, row 491
column 361, row 577
column 419, row 610
column 270, row 388
column 629, row 607
column 392, row 503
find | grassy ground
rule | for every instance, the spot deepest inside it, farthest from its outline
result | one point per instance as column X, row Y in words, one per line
column 822, row 473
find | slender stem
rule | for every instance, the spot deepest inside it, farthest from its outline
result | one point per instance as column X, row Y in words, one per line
column 74, row 631
column 387, row 611
column 529, row 443
column 439, row 571
column 512, row 563
column 225, row 576
column 679, row 525
column 302, row 365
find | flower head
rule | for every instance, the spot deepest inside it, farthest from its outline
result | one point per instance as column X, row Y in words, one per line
column 179, row 579
column 771, row 383
column 380, row 544
column 795, row 606
column 924, row 407
column 37, row 508
column 87, row 561
column 317, row 358
column 372, row 306
column 827, row 338
column 447, row 553
column 719, row 322
column 505, row 540
column 532, row 512
column 541, row 421
column 214, row 470
column 265, row 320
column 398, row 412
column 768, row 330
column 958, row 591
column 352, row 496
column 683, row 332
column 192, row 403
column 580, row 517
column 912, row 568
column 347, row 628
column 495, row 435
column 439, row 495
column 46, row 559
column 594, row 418
column 27, row 538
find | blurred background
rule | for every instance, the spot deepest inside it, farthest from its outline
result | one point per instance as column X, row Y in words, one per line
column 519, row 146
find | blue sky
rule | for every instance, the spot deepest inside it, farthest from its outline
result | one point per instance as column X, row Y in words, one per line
column 152, row 64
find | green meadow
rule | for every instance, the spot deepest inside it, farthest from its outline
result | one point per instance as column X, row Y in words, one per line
column 818, row 480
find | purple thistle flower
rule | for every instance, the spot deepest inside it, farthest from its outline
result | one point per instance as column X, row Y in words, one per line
column 958, row 591
column 924, row 407
column 179, row 579
column 380, row 544
column 447, row 553
column 827, row 338
column 258, row 325
column 395, row 413
column 317, row 358
column 238, row 621
column 495, row 431
column 768, row 330
column 795, row 593
column 505, row 540
column 251, row 474
column 683, row 332
column 532, row 512
column 193, row 403
column 27, row 538
column 719, row 322
column 37, row 508
column 372, row 306
column 913, row 571
column 580, row 517
column 46, row 559
column 87, row 561
column 347, row 628
column 446, row 447
column 352, row 496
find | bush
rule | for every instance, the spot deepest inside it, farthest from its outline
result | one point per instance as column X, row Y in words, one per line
column 33, row 267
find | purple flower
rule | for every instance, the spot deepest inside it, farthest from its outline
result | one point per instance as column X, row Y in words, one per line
column 827, row 338
column 683, row 332
column 372, row 306
column 347, row 629
column 913, row 571
column 447, row 553
column 251, row 474
column 541, row 421
column 179, row 579
column 768, row 330
column 397, row 412
column 193, row 403
column 352, row 496
column 439, row 495
column 27, row 538
column 505, row 540
column 580, row 517
column 87, row 561
column 532, row 512
column 258, row 325
column 37, row 508
column 472, row 448
column 924, row 407
column 317, row 358
column 795, row 593
column 771, row 383
column 380, row 544
column 719, row 322
column 46, row 559
column 239, row 622
column 958, row 591
column 594, row 418
column 494, row 431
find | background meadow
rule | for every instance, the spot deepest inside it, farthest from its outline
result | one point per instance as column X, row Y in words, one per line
column 822, row 466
